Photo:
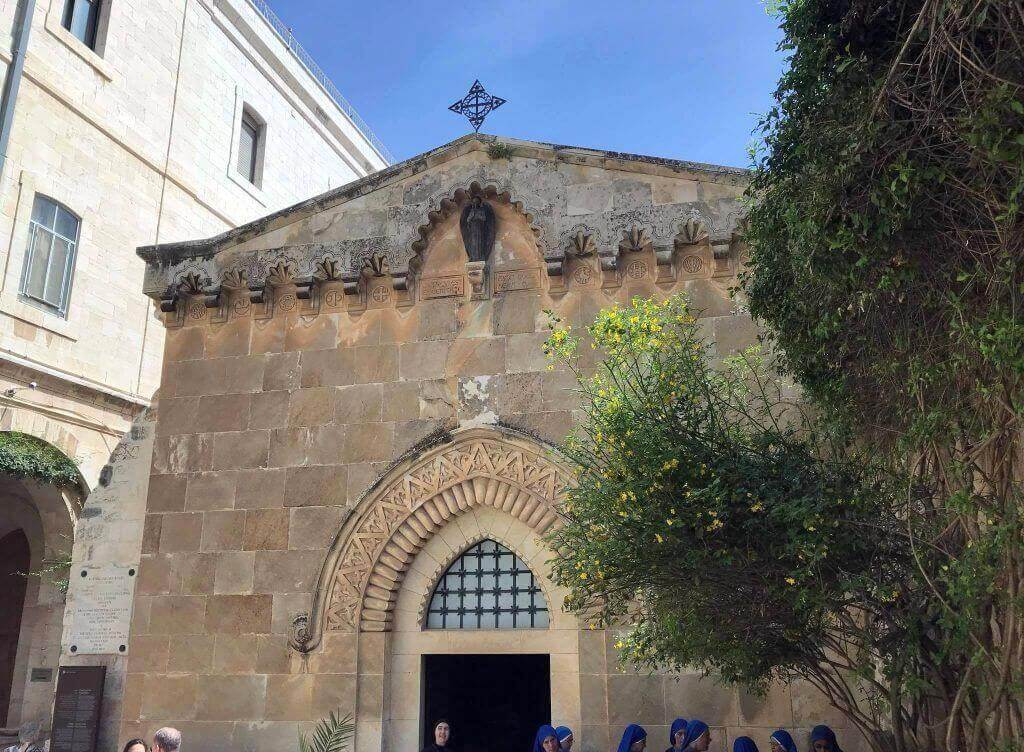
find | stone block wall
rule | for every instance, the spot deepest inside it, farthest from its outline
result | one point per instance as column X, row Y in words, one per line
column 342, row 414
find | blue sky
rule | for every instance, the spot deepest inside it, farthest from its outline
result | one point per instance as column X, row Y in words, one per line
column 673, row 78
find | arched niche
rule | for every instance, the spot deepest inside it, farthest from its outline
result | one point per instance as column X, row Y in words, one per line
column 491, row 468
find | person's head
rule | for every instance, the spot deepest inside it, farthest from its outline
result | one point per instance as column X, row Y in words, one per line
column 677, row 732
column 167, row 739
column 782, row 741
column 442, row 732
column 546, row 739
column 634, row 738
column 697, row 737
column 744, row 744
column 565, row 738
column 136, row 745
column 823, row 739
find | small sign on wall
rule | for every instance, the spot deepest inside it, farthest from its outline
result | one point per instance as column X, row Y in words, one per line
column 101, row 609
column 76, row 708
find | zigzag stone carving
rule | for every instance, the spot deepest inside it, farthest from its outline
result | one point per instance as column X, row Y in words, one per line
column 394, row 527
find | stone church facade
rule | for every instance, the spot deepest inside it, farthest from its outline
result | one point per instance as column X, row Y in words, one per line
column 348, row 404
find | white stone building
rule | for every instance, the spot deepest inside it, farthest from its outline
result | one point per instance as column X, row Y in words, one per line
column 131, row 123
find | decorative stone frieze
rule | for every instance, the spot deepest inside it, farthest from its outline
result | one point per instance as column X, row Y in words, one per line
column 397, row 215
column 479, row 467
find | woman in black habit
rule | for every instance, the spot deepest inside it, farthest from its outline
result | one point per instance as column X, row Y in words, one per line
column 442, row 736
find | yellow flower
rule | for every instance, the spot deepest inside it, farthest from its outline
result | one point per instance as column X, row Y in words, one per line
column 757, row 507
column 619, row 645
column 659, row 538
column 583, row 575
column 790, row 581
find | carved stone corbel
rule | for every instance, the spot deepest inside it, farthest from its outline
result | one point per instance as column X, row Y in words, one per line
column 720, row 252
column 376, row 287
column 476, row 274
column 691, row 254
column 636, row 260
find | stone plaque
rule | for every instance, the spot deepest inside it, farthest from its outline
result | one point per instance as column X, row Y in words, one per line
column 102, row 609
column 519, row 279
column 41, row 675
column 443, row 287
column 76, row 708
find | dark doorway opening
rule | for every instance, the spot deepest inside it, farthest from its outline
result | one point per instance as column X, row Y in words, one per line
column 495, row 703
column 15, row 559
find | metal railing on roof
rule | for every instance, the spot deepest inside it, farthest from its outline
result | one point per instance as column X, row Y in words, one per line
column 317, row 72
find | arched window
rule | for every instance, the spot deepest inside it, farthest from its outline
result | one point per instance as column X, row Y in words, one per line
column 488, row 587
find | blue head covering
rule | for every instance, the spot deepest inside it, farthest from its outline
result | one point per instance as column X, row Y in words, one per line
column 694, row 730
column 679, row 724
column 634, row 732
column 785, row 740
column 819, row 733
column 562, row 733
column 543, row 733
column 744, row 744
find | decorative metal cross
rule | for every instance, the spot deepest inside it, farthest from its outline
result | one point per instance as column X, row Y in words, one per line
column 477, row 105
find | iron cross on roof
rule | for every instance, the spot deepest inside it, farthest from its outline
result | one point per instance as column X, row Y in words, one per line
column 477, row 105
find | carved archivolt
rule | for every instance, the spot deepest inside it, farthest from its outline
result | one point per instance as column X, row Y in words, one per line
column 364, row 570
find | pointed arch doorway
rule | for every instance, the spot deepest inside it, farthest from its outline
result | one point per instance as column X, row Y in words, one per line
column 494, row 702
column 379, row 578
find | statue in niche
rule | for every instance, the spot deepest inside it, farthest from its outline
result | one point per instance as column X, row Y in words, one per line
column 478, row 227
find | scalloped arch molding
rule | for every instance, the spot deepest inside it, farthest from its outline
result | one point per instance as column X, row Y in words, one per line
column 479, row 467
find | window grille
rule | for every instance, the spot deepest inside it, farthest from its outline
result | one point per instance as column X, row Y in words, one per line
column 50, row 255
column 248, row 147
column 81, row 18
column 488, row 587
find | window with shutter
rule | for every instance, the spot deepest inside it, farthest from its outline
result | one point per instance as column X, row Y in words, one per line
column 248, row 147
column 50, row 255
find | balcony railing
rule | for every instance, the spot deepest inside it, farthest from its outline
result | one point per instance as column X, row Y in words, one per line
column 317, row 72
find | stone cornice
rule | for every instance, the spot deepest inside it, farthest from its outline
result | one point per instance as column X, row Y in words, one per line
column 172, row 253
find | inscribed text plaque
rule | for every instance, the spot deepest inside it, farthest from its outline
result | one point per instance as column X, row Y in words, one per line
column 102, row 611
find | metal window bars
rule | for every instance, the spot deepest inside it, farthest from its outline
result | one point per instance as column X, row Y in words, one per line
column 487, row 587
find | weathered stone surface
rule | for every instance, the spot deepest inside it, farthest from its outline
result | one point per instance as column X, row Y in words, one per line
column 266, row 529
column 377, row 427
column 223, row 531
column 181, row 531
column 238, row 614
column 210, row 490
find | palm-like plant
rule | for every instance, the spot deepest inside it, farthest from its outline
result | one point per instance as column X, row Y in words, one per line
column 332, row 734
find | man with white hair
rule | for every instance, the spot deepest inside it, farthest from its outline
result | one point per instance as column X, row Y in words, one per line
column 167, row 739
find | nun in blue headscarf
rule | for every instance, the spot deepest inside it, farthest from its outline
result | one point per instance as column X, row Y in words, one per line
column 546, row 739
column 782, row 741
column 697, row 737
column 565, row 739
column 634, row 738
column 744, row 744
column 823, row 739
column 676, row 734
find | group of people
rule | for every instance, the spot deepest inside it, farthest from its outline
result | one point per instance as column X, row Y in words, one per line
column 166, row 739
column 683, row 736
column 695, row 736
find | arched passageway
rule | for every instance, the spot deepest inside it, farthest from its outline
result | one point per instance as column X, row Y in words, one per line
column 15, row 559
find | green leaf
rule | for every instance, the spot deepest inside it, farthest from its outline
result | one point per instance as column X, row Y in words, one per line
column 332, row 734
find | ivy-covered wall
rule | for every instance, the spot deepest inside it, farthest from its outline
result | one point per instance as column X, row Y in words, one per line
column 24, row 456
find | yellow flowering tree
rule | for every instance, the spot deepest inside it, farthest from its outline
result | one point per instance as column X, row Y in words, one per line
column 710, row 515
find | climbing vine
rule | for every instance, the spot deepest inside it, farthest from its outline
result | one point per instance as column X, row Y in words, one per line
column 25, row 456
column 887, row 263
